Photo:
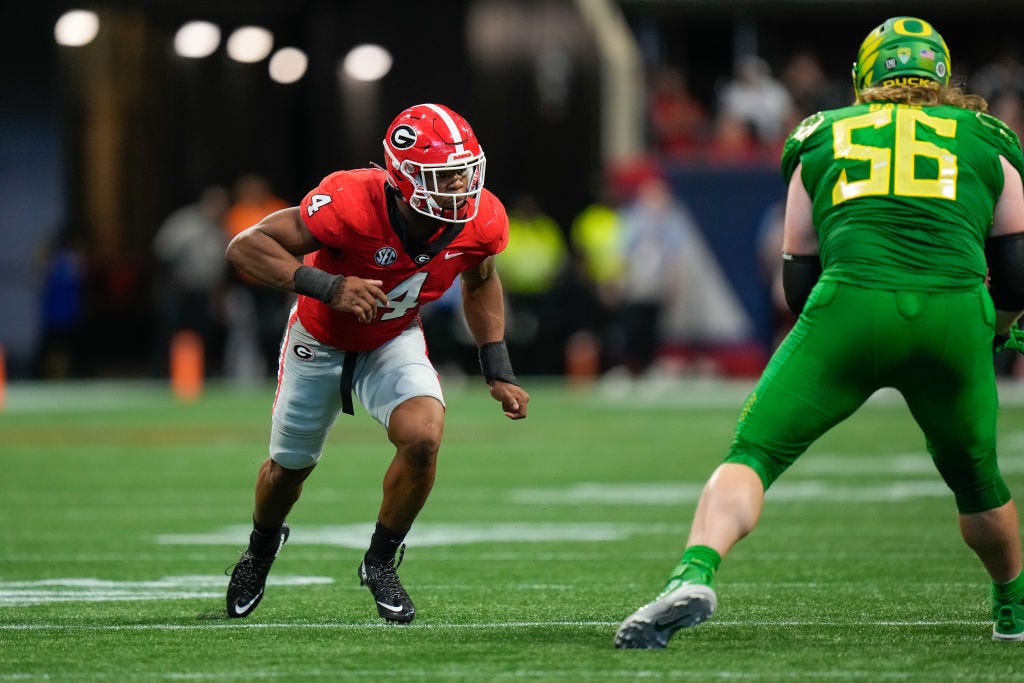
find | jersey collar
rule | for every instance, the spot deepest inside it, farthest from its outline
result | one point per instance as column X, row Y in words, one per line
column 420, row 251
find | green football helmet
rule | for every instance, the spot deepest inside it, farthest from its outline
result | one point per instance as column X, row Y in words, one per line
column 902, row 51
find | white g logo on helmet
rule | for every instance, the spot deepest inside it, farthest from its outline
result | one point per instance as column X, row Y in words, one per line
column 403, row 137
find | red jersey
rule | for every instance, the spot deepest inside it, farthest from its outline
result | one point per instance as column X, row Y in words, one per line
column 349, row 214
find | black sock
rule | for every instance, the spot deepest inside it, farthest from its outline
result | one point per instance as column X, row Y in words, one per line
column 264, row 539
column 384, row 544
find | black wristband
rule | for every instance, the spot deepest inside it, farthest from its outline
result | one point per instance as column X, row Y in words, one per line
column 495, row 364
column 316, row 283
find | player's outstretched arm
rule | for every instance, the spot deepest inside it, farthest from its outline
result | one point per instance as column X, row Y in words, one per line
column 483, row 304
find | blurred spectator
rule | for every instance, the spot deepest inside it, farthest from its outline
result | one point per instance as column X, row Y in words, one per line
column 812, row 91
column 190, row 247
column 733, row 142
column 755, row 96
column 704, row 326
column 677, row 117
column 255, row 315
column 60, row 348
column 1003, row 74
column 252, row 199
column 654, row 226
column 598, row 260
column 528, row 268
column 581, row 317
column 596, row 236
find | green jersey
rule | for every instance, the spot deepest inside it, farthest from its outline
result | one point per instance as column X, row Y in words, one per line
column 902, row 195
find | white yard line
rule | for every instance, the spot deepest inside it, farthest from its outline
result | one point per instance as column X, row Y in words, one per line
column 346, row 626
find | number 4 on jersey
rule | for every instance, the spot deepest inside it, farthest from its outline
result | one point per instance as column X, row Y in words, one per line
column 317, row 201
column 404, row 295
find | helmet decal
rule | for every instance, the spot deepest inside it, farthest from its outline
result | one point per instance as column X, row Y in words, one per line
column 403, row 137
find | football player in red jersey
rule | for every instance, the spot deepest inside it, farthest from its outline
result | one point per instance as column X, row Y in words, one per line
column 376, row 244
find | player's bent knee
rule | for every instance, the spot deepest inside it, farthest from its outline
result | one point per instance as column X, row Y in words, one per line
column 976, row 482
column 768, row 466
column 293, row 449
column 420, row 453
column 981, row 497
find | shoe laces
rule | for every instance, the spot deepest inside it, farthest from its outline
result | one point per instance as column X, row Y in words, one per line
column 384, row 577
column 1007, row 618
column 249, row 568
column 691, row 572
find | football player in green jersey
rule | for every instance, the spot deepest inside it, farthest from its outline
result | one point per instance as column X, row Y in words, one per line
column 900, row 208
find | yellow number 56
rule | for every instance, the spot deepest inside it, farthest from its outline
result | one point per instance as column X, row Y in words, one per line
column 894, row 168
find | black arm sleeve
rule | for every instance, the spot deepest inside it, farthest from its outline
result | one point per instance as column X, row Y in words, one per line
column 800, row 273
column 1005, row 256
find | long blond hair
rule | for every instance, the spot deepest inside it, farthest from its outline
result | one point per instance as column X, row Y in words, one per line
column 923, row 96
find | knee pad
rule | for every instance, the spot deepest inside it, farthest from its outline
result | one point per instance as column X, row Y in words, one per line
column 294, row 451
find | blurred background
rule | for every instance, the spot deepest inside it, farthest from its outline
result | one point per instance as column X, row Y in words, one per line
column 634, row 142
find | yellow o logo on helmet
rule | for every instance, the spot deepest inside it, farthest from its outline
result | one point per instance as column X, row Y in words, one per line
column 900, row 26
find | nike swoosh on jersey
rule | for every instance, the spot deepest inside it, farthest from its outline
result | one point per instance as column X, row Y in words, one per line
column 451, row 254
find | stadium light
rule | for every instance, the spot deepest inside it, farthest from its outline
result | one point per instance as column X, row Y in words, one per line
column 288, row 65
column 197, row 39
column 367, row 62
column 76, row 28
column 250, row 44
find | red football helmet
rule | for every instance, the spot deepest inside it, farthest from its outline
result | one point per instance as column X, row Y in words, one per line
column 427, row 150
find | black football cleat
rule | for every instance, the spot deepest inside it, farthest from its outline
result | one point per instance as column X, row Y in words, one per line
column 393, row 603
column 249, row 578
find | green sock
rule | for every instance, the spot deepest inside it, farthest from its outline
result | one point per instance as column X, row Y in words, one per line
column 1009, row 592
column 700, row 559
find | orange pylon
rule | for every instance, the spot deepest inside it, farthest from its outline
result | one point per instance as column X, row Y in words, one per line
column 187, row 365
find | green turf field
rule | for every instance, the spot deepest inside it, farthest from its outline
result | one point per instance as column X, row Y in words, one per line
column 120, row 509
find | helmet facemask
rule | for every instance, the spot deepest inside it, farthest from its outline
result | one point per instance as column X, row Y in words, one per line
column 429, row 181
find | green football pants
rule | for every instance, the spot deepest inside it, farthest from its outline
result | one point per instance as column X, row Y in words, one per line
column 934, row 348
